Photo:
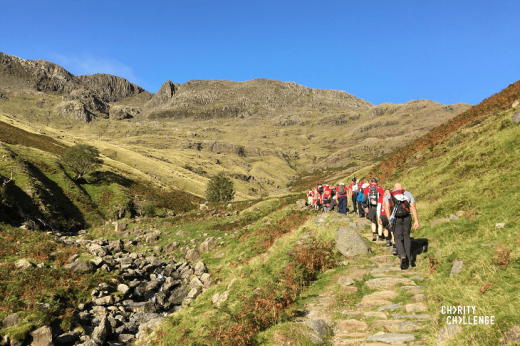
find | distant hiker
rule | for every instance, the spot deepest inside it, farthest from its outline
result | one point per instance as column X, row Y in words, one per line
column 401, row 206
column 359, row 199
column 353, row 190
column 383, row 218
column 333, row 198
column 319, row 197
column 371, row 196
column 341, row 194
column 326, row 198
column 310, row 197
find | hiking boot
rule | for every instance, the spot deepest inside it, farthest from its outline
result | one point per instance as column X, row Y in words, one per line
column 404, row 263
column 388, row 242
column 381, row 238
column 374, row 236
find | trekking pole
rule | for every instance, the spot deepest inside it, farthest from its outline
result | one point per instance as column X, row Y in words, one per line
column 392, row 217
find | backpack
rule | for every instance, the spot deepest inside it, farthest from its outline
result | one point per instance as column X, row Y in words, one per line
column 359, row 197
column 373, row 196
column 341, row 190
column 355, row 187
column 400, row 204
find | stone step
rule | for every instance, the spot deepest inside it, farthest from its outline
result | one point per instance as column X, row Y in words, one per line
column 416, row 317
column 391, row 338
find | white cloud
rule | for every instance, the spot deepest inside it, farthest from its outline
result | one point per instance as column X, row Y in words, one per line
column 87, row 65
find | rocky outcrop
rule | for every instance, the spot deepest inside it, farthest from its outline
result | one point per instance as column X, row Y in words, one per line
column 164, row 95
column 110, row 88
column 258, row 97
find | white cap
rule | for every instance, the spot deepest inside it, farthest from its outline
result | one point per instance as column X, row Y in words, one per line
column 341, row 184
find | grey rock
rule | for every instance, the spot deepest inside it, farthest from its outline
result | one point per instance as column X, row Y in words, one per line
column 66, row 339
column 72, row 258
column 150, row 238
column 500, row 225
column 511, row 337
column 391, row 307
column 453, row 217
column 120, row 227
column 457, row 267
column 200, row 268
column 350, row 243
column 125, row 338
column 80, row 266
column 207, row 244
column 123, row 288
column 319, row 326
column 516, row 118
column 392, row 338
column 23, row 265
column 177, row 295
column 10, row 321
column 192, row 255
column 147, row 307
column 415, row 307
column 171, row 247
column 345, row 281
column 448, row 332
column 388, row 282
column 147, row 327
column 194, row 293
column 218, row 299
column 97, row 261
column 104, row 301
column 415, row 317
column 42, row 336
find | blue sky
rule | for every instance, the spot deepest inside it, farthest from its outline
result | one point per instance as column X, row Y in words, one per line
column 378, row 50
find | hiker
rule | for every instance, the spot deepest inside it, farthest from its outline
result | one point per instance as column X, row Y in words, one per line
column 370, row 197
column 310, row 197
column 326, row 198
column 401, row 206
column 333, row 198
column 319, row 196
column 382, row 218
column 359, row 199
column 353, row 190
column 341, row 195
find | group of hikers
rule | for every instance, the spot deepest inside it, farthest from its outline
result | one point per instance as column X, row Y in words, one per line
column 389, row 211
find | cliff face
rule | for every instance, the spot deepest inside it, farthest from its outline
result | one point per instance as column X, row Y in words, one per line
column 110, row 88
column 221, row 99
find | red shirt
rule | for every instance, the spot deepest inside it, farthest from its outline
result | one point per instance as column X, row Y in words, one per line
column 380, row 190
column 350, row 188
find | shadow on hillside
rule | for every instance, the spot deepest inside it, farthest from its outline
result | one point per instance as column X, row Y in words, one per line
column 107, row 178
column 58, row 209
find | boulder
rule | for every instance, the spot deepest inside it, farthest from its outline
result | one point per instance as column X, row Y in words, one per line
column 207, row 244
column 448, row 332
column 453, row 217
column 350, row 243
column 102, row 330
column 10, row 321
column 438, row 221
column 66, row 339
column 192, row 255
column 516, row 118
column 457, row 267
column 218, row 299
column 150, row 238
column 23, row 265
column 80, row 266
column 301, row 203
column 171, row 247
column 120, row 227
column 123, row 288
column 42, row 336
column 319, row 326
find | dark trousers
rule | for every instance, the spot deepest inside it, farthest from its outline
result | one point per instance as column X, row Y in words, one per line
column 361, row 210
column 403, row 243
column 354, row 203
column 342, row 201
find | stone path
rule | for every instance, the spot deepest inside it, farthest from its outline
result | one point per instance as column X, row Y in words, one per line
column 393, row 311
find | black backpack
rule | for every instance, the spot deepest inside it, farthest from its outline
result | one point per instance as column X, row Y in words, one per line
column 402, row 204
column 373, row 196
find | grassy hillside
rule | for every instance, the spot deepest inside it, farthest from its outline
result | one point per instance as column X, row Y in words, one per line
column 470, row 164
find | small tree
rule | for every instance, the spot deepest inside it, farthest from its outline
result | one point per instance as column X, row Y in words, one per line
column 82, row 159
column 220, row 189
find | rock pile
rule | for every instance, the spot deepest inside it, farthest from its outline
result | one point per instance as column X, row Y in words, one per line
column 147, row 290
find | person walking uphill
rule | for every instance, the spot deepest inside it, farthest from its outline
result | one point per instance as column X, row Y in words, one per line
column 353, row 190
column 401, row 206
column 371, row 196
column 341, row 195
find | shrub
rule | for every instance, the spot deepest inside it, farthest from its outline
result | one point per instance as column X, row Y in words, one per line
column 220, row 189
column 82, row 159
